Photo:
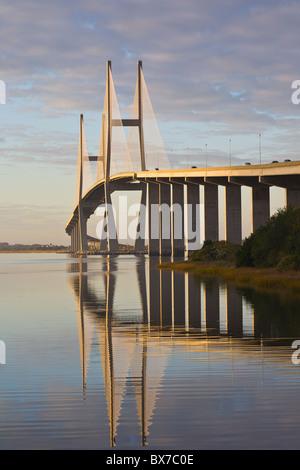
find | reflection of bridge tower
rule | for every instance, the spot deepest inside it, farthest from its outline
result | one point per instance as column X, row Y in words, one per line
column 124, row 356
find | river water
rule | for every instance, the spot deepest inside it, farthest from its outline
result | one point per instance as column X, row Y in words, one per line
column 111, row 353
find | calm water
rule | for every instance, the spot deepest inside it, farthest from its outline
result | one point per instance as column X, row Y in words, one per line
column 104, row 352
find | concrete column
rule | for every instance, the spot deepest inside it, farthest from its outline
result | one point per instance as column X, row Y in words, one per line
column 153, row 219
column 104, row 234
column 141, row 228
column 233, row 213
column 193, row 302
column 72, row 240
column 260, row 206
column 291, row 183
column 177, row 221
column 193, row 217
column 113, row 244
column 83, row 231
column 234, row 312
column 165, row 247
column 212, row 308
column 76, row 237
column 211, row 212
column 292, row 197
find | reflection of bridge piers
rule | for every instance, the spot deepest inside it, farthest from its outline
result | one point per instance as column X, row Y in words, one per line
column 172, row 299
column 173, row 306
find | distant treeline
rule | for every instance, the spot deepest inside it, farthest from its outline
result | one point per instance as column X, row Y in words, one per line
column 274, row 245
column 4, row 246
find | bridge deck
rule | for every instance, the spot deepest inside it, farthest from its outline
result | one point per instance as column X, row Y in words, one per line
column 95, row 195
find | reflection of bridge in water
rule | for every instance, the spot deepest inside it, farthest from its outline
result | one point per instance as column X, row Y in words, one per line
column 134, row 347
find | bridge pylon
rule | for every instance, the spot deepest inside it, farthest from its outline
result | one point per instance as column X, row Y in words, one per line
column 110, row 161
column 105, row 154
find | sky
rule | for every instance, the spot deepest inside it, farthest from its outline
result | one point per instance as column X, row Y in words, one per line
column 216, row 72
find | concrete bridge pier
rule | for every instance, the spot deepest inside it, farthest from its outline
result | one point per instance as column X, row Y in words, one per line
column 193, row 217
column 72, row 233
column 291, row 184
column 177, row 220
column 292, row 197
column 159, row 219
column 76, row 237
column 211, row 212
column 82, row 228
column 141, row 228
column 153, row 219
column 79, row 233
column 260, row 206
column 233, row 208
column 165, row 246
column 260, row 200
column 233, row 214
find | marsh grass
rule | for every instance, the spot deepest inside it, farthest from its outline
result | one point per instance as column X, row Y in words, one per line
column 267, row 279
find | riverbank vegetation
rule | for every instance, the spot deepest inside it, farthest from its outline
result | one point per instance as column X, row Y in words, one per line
column 268, row 259
column 274, row 245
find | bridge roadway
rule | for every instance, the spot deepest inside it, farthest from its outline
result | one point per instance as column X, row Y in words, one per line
column 258, row 177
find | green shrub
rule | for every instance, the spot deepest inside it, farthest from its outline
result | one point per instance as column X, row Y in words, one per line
column 243, row 254
column 288, row 263
column 277, row 243
column 215, row 251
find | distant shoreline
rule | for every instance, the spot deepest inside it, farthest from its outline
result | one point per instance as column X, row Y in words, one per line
column 91, row 253
column 32, row 251
column 262, row 279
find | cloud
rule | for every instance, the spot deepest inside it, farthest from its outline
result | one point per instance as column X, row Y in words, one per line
column 188, row 49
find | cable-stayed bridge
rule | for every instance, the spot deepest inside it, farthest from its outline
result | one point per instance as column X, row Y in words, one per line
column 168, row 221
